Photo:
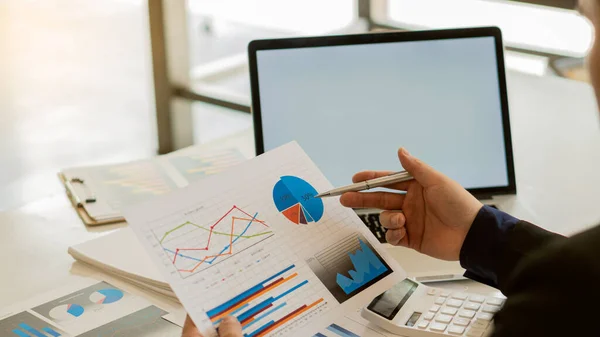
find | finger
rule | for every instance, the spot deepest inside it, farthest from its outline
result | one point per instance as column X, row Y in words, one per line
column 367, row 175
column 423, row 173
column 381, row 200
column 230, row 327
column 396, row 237
column 392, row 219
column 189, row 328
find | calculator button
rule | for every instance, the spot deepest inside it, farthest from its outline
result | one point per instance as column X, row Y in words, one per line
column 431, row 291
column 484, row 316
column 434, row 308
column 459, row 296
column 454, row 303
column 428, row 316
column 457, row 330
column 461, row 321
column 443, row 318
column 438, row 327
column 466, row 313
column 480, row 323
column 449, row 311
column 445, row 293
column 495, row 301
column 492, row 309
column 440, row 300
column 423, row 324
column 472, row 306
column 474, row 332
column 476, row 298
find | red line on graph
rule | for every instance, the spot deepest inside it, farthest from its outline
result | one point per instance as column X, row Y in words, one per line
column 218, row 255
column 216, row 223
column 231, row 236
column 176, row 253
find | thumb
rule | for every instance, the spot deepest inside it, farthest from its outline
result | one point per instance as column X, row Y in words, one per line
column 423, row 173
column 230, row 327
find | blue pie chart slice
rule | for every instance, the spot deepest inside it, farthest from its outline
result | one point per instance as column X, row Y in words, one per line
column 106, row 296
column 66, row 312
column 295, row 199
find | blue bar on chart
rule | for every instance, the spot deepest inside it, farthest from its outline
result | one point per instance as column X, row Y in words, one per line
column 338, row 330
column 244, row 295
column 261, row 329
column 51, row 332
column 20, row 333
column 258, row 318
column 31, row 330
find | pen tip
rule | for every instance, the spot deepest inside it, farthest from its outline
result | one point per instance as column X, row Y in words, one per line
column 320, row 195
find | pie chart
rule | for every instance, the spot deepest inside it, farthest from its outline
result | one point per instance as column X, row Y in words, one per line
column 295, row 199
column 106, row 296
column 66, row 312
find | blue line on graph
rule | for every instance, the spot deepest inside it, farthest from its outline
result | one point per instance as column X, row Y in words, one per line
column 338, row 330
column 185, row 256
column 224, row 249
column 245, row 294
column 258, row 318
column 234, row 240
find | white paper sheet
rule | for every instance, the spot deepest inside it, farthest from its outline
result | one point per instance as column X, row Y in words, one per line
column 253, row 242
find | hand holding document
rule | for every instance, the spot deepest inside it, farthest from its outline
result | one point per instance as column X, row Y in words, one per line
column 253, row 242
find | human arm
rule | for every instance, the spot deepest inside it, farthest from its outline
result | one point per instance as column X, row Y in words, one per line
column 496, row 243
column 438, row 217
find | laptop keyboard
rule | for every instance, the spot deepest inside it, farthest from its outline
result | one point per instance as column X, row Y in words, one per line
column 372, row 222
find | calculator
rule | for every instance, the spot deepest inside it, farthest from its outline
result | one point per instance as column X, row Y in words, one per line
column 415, row 310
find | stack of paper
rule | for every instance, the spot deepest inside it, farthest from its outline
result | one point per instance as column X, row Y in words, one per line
column 120, row 254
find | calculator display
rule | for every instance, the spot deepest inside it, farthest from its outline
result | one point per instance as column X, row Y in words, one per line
column 390, row 302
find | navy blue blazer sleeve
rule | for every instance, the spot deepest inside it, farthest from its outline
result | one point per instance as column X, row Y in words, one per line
column 496, row 243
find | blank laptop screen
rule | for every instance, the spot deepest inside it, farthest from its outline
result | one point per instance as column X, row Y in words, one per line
column 352, row 106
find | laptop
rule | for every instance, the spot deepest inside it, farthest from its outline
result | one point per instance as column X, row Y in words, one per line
column 351, row 101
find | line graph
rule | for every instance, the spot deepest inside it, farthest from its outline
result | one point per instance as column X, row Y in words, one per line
column 193, row 247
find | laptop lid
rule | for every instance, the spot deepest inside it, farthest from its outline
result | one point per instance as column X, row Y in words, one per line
column 352, row 101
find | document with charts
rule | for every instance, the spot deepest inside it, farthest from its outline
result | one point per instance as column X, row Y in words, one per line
column 254, row 243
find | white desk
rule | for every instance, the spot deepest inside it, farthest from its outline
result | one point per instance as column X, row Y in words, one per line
column 555, row 131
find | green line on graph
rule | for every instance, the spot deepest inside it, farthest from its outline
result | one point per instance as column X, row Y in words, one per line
column 208, row 230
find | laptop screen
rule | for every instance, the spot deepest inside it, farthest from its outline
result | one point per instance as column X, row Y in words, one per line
column 352, row 106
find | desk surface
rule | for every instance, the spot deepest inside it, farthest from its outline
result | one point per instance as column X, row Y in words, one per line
column 555, row 131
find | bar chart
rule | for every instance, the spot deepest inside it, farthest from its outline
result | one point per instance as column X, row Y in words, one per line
column 265, row 307
column 25, row 324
